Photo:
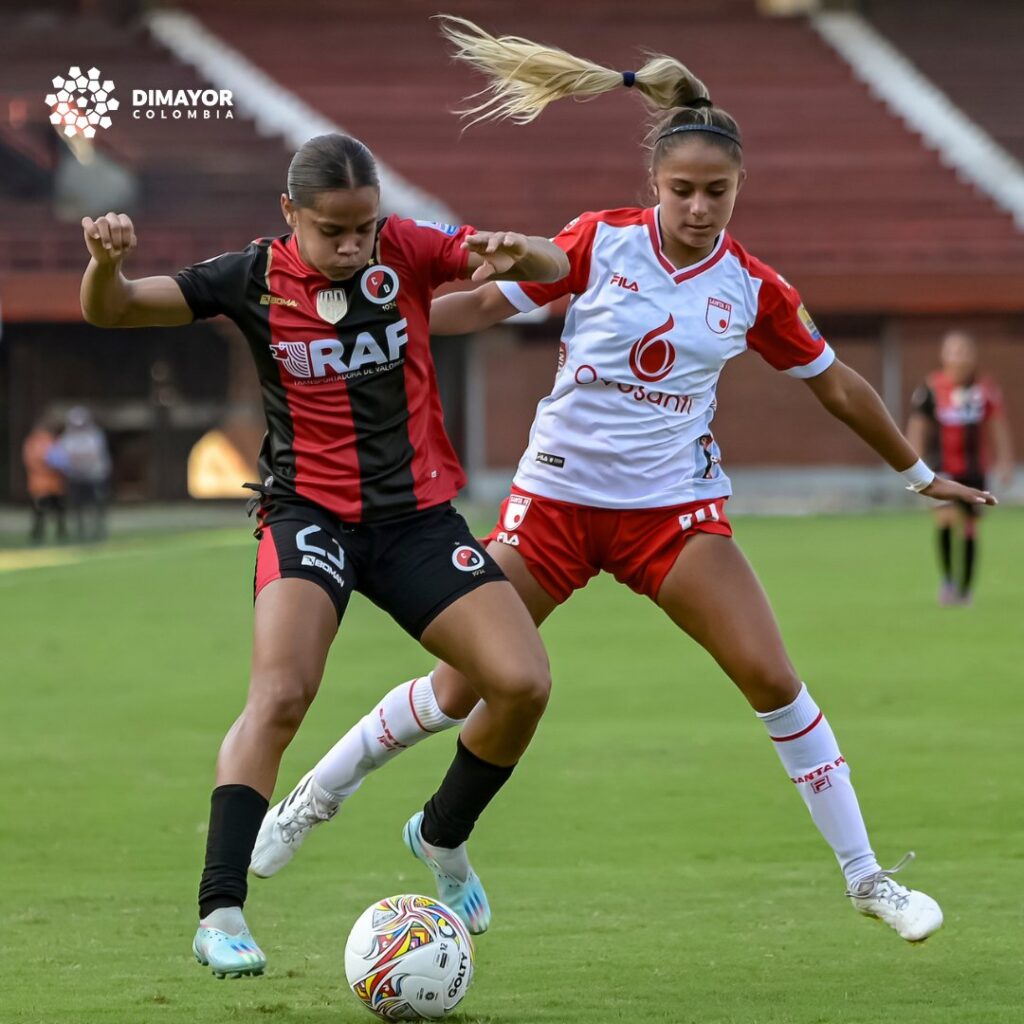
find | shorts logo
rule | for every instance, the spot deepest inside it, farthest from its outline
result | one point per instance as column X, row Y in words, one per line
column 467, row 559
column 515, row 511
column 316, row 554
column 380, row 285
column 331, row 304
column 652, row 357
column 709, row 513
column 718, row 315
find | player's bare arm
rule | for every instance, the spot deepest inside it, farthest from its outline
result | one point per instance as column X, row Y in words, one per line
column 466, row 312
column 852, row 400
column 108, row 298
column 509, row 256
column 1002, row 445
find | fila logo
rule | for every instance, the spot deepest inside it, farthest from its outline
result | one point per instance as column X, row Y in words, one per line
column 319, row 358
column 276, row 300
column 507, row 538
column 622, row 282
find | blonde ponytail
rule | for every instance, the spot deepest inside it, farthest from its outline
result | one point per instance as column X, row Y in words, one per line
column 525, row 77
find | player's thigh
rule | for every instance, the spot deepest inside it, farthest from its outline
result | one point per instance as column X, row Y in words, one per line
column 714, row 596
column 947, row 515
column 301, row 586
column 489, row 636
column 294, row 624
column 454, row 691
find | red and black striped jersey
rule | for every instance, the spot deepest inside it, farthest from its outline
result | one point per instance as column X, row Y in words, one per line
column 354, row 419
column 959, row 412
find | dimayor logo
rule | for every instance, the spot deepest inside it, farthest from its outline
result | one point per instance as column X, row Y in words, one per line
column 82, row 103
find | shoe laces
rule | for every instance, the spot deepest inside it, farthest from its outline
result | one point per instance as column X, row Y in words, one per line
column 303, row 815
column 880, row 885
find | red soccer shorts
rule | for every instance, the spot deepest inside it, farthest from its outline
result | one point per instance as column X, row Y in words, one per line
column 565, row 545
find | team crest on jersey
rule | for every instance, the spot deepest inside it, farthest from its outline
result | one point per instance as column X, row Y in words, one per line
column 331, row 304
column 380, row 285
column 718, row 315
column 515, row 511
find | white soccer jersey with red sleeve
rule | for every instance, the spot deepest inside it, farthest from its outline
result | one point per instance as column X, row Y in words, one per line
column 628, row 421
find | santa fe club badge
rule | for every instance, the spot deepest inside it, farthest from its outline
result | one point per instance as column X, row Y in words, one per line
column 515, row 511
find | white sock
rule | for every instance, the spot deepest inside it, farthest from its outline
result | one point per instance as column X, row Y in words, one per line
column 407, row 714
column 225, row 919
column 808, row 750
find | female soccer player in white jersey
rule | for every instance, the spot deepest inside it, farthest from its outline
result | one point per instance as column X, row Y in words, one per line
column 622, row 472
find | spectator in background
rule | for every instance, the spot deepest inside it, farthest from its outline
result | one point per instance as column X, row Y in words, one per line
column 46, row 486
column 958, row 416
column 81, row 455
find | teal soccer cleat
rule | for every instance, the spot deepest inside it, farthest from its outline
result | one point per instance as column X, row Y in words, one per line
column 457, row 884
column 228, row 956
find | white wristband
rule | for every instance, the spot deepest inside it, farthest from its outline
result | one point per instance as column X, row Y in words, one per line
column 918, row 477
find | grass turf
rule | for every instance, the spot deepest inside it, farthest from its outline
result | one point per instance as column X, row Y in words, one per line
column 649, row 861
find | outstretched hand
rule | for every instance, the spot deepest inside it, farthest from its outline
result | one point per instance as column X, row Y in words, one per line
column 500, row 251
column 110, row 238
column 949, row 490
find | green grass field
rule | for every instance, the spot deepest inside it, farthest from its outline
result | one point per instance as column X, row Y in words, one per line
column 649, row 861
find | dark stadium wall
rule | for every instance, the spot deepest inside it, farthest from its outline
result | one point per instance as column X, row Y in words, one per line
column 154, row 392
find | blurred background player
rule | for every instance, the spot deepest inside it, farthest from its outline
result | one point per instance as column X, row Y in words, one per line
column 622, row 473
column 958, row 418
column 357, row 480
column 82, row 455
column 46, row 485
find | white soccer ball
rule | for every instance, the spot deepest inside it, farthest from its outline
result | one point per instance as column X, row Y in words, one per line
column 409, row 958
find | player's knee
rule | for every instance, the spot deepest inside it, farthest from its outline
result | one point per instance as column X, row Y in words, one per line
column 524, row 688
column 769, row 687
column 280, row 702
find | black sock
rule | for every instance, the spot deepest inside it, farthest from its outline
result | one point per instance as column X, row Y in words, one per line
column 469, row 786
column 236, row 813
column 970, row 549
column 946, row 552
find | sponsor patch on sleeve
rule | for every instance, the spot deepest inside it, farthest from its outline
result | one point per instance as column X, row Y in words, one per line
column 809, row 325
column 445, row 229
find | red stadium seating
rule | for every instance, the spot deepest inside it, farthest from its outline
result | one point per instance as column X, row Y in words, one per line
column 837, row 185
column 971, row 50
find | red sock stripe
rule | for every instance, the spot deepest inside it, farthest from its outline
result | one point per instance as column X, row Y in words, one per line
column 802, row 732
column 412, row 707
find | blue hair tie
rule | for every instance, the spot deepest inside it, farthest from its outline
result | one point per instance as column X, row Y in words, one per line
column 628, row 79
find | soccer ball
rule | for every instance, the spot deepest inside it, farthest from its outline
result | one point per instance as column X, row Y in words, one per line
column 409, row 958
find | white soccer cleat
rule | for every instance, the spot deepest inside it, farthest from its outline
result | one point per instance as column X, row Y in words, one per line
column 913, row 915
column 286, row 825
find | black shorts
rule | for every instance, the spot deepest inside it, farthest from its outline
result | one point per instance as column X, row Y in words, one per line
column 412, row 568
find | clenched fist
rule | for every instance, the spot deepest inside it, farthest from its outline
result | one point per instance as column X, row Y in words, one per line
column 109, row 239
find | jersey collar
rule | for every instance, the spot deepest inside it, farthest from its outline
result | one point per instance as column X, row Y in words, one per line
column 686, row 273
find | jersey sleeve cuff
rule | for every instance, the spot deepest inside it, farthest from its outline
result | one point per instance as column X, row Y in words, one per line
column 819, row 364
column 513, row 291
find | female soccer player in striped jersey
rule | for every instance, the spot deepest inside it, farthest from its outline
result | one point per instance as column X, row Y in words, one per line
column 358, row 476
column 958, row 415
column 622, row 472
